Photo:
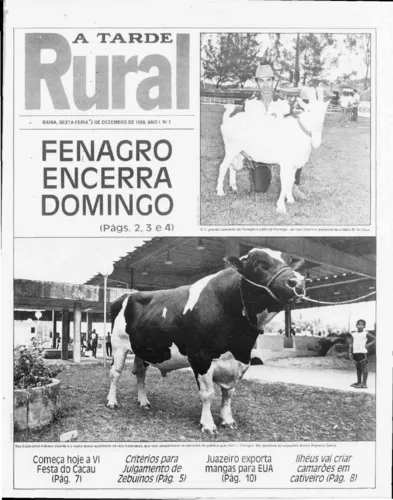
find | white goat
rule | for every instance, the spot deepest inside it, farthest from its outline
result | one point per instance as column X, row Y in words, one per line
column 283, row 141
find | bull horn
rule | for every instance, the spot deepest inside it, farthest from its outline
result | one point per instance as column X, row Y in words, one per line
column 297, row 264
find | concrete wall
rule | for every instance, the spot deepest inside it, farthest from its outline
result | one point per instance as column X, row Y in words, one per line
column 23, row 333
column 271, row 342
column 272, row 346
column 305, row 343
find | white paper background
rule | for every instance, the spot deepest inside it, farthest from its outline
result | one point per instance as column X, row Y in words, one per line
column 215, row 15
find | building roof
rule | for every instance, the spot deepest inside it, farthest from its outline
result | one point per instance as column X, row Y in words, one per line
column 337, row 269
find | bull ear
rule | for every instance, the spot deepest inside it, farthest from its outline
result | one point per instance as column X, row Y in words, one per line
column 235, row 263
column 297, row 264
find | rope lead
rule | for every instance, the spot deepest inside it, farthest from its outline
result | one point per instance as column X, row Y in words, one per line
column 337, row 303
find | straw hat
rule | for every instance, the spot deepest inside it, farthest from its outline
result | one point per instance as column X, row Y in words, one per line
column 264, row 71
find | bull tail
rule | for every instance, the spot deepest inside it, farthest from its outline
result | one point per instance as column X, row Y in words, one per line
column 116, row 308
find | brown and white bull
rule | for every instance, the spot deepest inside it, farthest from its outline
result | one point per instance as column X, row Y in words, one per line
column 210, row 326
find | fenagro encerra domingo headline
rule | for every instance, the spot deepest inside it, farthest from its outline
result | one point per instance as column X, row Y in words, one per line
column 98, row 176
column 94, row 71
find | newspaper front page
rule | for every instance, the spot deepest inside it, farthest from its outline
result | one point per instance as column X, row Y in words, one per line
column 196, row 227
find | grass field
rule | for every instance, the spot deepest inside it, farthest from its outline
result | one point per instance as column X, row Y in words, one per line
column 336, row 180
column 263, row 411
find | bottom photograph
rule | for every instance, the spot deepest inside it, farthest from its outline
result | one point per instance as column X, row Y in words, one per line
column 175, row 339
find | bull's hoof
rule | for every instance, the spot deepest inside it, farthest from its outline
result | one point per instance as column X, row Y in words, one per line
column 280, row 209
column 297, row 193
column 145, row 406
column 112, row 405
column 220, row 192
column 211, row 430
column 233, row 188
column 290, row 200
column 229, row 425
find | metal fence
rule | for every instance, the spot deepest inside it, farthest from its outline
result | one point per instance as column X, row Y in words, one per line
column 223, row 97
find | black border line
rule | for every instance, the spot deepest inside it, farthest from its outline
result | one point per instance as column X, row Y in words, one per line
column 100, row 128
column 13, row 250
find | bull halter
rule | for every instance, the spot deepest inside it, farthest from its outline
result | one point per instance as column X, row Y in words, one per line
column 269, row 283
column 268, row 289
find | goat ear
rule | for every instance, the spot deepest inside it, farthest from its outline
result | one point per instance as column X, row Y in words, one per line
column 235, row 263
column 303, row 104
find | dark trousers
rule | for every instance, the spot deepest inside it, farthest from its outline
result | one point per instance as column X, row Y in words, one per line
column 298, row 175
column 355, row 114
column 262, row 177
column 94, row 349
column 361, row 362
column 108, row 349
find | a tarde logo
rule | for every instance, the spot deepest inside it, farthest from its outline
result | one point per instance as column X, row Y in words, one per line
column 111, row 90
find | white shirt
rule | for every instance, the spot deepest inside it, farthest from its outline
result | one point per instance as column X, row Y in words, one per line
column 277, row 108
column 359, row 342
column 344, row 101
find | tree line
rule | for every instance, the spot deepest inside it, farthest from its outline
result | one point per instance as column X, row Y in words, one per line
column 232, row 58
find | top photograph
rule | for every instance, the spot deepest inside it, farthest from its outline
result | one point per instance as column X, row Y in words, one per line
column 286, row 129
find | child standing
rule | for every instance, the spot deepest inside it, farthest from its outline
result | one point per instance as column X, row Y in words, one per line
column 358, row 353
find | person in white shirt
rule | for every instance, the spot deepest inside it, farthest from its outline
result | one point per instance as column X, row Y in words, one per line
column 350, row 105
column 320, row 92
column 358, row 353
column 94, row 343
column 355, row 105
column 263, row 103
column 344, row 104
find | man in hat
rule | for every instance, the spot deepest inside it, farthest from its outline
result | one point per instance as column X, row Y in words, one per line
column 264, row 103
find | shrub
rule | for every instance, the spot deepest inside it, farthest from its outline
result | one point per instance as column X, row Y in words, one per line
column 29, row 368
